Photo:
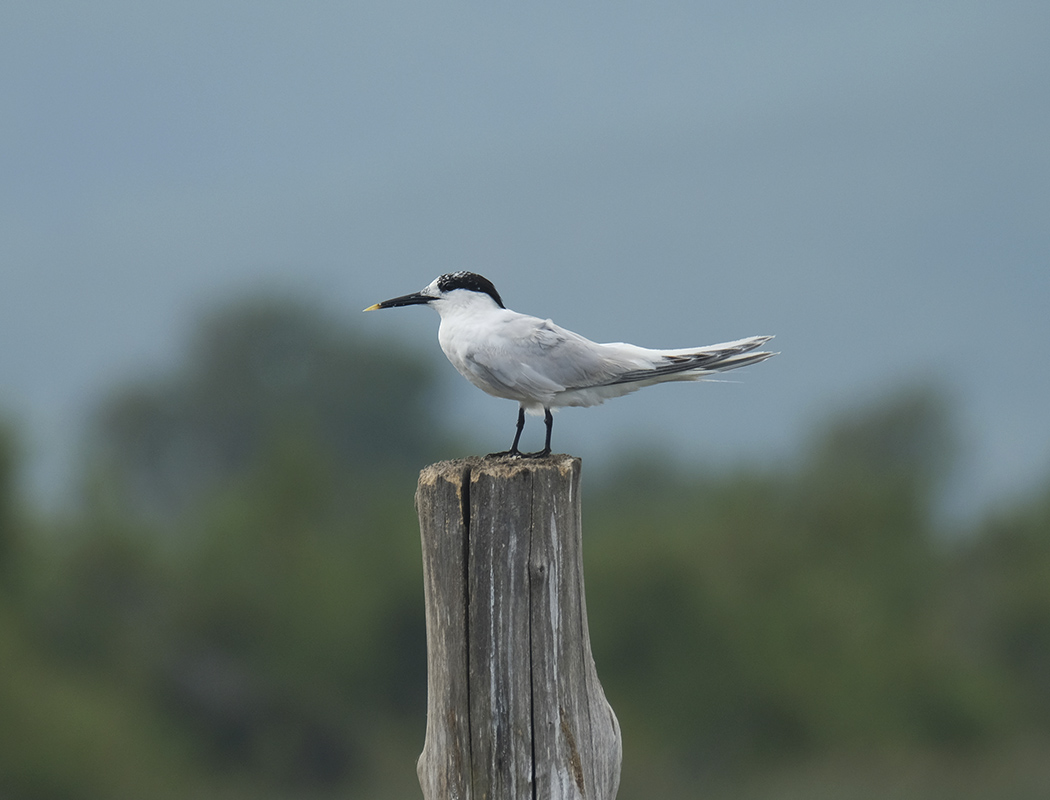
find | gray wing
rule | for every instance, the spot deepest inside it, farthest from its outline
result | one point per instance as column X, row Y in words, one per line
column 540, row 358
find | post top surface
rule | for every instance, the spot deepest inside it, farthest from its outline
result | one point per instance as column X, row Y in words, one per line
column 497, row 466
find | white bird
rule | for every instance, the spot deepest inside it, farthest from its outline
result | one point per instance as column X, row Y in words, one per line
column 544, row 366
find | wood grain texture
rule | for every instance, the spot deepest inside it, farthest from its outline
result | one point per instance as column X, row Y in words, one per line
column 515, row 709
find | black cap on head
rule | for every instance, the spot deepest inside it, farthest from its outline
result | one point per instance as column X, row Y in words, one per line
column 470, row 281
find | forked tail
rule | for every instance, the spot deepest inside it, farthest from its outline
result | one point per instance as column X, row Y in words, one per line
column 693, row 363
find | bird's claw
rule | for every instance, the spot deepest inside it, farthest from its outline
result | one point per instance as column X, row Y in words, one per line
column 537, row 454
column 507, row 454
column 519, row 454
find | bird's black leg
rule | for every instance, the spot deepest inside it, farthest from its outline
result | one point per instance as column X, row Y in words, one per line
column 514, row 451
column 548, row 420
column 517, row 432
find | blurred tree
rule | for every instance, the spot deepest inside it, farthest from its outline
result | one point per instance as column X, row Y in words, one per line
column 804, row 610
column 1001, row 602
column 258, row 371
column 285, row 634
column 866, row 496
column 904, row 444
column 865, row 505
column 298, row 634
column 795, row 611
column 9, row 535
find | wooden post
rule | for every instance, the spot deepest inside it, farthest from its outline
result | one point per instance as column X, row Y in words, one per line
column 514, row 707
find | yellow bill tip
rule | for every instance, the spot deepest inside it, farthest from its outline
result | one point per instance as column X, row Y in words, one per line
column 373, row 307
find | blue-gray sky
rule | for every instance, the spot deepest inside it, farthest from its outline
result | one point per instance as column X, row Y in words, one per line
column 870, row 182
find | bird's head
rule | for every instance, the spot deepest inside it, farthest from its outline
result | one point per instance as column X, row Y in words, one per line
column 452, row 288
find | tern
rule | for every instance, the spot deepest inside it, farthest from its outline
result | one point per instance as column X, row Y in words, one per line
column 546, row 367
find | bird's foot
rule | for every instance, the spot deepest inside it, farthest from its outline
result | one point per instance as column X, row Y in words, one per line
column 538, row 454
column 514, row 453
column 519, row 454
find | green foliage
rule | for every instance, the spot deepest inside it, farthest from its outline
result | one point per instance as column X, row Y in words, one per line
column 791, row 612
column 237, row 610
column 10, row 535
column 258, row 373
column 1003, row 603
column 68, row 737
column 282, row 639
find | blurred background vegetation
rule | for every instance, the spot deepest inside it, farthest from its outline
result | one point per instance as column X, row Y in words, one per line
column 234, row 608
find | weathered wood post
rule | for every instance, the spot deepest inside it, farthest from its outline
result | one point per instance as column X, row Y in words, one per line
column 514, row 707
